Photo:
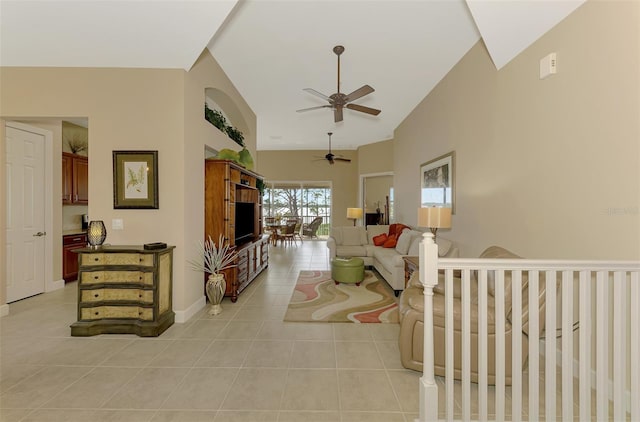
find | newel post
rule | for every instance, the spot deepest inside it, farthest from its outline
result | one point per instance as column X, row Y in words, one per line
column 429, row 279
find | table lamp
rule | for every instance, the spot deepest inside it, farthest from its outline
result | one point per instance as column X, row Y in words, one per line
column 96, row 233
column 434, row 218
column 354, row 214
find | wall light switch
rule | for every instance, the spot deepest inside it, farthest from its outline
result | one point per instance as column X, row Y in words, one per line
column 117, row 224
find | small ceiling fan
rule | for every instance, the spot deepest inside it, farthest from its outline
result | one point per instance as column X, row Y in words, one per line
column 339, row 101
column 330, row 157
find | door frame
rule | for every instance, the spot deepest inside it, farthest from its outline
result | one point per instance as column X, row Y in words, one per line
column 363, row 177
column 49, row 283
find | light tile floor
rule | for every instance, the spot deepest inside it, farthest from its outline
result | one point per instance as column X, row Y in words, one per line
column 242, row 365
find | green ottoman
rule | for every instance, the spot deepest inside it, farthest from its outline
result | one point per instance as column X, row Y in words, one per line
column 347, row 270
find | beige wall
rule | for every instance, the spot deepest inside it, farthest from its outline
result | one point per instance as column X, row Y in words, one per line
column 547, row 168
column 376, row 158
column 305, row 166
column 138, row 109
column 3, row 216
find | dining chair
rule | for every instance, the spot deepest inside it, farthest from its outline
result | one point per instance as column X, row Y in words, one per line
column 287, row 233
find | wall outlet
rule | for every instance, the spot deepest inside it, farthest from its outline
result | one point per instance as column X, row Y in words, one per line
column 117, row 224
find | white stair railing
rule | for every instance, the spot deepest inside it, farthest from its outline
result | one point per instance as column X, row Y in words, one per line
column 606, row 293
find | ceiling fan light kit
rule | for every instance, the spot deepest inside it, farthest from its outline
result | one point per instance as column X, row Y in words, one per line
column 339, row 101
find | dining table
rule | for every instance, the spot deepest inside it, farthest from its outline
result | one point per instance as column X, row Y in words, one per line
column 273, row 228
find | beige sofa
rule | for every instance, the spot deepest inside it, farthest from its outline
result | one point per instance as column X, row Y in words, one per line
column 411, row 338
column 357, row 241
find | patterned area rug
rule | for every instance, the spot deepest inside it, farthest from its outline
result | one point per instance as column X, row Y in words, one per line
column 316, row 298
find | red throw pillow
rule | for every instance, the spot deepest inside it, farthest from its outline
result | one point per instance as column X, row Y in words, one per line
column 390, row 242
column 380, row 239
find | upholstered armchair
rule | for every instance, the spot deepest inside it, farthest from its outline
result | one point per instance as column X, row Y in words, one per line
column 411, row 308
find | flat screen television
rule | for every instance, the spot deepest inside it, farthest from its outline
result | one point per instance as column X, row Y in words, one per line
column 245, row 221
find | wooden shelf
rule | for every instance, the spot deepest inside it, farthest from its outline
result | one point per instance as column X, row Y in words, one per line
column 227, row 187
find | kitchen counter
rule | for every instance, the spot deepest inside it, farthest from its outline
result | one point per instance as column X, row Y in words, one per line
column 73, row 232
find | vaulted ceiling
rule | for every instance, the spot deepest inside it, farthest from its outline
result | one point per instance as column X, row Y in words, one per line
column 271, row 50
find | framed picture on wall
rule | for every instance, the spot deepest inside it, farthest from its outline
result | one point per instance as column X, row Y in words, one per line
column 135, row 179
column 437, row 182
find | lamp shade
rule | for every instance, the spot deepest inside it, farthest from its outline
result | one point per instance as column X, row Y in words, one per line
column 96, row 233
column 354, row 213
column 434, row 217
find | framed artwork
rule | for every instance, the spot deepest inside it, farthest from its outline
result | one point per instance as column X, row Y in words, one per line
column 437, row 182
column 135, row 179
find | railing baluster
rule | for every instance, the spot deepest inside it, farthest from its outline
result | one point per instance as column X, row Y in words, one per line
column 534, row 346
column 635, row 345
column 585, row 345
column 466, row 350
column 602, row 346
column 620, row 342
column 516, row 345
column 500, row 355
column 550, row 347
column 482, row 346
column 449, row 327
column 567, row 345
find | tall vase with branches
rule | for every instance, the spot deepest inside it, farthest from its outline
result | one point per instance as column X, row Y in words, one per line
column 213, row 259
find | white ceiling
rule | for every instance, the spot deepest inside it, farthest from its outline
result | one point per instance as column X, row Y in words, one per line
column 271, row 50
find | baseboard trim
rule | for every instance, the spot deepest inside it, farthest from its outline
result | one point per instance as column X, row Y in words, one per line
column 184, row 316
column 54, row 285
column 576, row 374
column 4, row 310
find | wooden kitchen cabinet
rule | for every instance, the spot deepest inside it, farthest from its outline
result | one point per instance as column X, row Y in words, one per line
column 75, row 179
column 70, row 259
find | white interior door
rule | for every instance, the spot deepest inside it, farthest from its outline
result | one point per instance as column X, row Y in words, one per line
column 25, row 153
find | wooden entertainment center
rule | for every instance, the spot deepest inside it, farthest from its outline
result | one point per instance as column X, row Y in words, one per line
column 233, row 208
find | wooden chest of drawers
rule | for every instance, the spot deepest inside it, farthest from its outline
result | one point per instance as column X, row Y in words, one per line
column 124, row 290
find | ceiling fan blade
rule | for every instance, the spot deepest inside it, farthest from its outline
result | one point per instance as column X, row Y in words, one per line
column 313, row 108
column 346, row 160
column 316, row 93
column 360, row 92
column 337, row 114
column 363, row 109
